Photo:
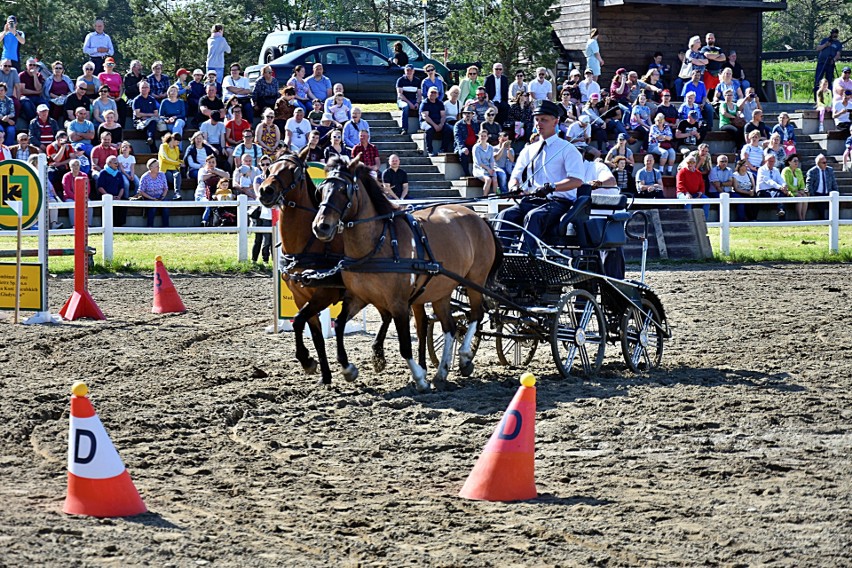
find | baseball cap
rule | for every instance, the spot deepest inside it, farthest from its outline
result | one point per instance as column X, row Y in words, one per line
column 109, row 60
column 665, row 92
column 40, row 108
column 467, row 110
column 574, row 72
column 409, row 66
column 588, row 72
column 432, row 90
column 847, row 69
column 584, row 119
column 622, row 136
column 12, row 19
column 594, row 96
column 182, row 71
column 693, row 114
column 327, row 116
column 620, row 70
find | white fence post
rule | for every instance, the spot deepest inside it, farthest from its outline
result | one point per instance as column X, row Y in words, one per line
column 242, row 228
column 725, row 221
column 492, row 208
column 107, row 223
column 834, row 222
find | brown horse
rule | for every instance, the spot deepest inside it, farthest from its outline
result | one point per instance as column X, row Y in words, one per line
column 382, row 247
column 289, row 188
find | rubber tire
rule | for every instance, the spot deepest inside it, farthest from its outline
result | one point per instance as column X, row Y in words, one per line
column 652, row 354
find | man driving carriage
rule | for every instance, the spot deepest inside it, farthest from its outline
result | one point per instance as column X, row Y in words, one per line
column 549, row 170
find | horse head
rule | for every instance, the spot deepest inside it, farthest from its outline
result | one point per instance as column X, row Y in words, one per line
column 340, row 196
column 286, row 174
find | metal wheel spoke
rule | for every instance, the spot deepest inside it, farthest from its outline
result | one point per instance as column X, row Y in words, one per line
column 584, row 357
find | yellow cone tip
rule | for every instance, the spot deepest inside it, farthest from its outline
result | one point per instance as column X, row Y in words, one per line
column 528, row 380
column 79, row 389
column 158, row 258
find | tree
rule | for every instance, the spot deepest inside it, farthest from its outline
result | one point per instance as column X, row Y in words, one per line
column 56, row 29
column 509, row 31
column 804, row 23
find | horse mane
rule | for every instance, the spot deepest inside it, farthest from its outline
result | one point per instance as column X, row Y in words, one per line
column 361, row 173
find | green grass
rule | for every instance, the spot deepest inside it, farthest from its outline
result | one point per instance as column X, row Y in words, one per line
column 783, row 244
column 799, row 73
column 194, row 254
column 205, row 254
column 379, row 107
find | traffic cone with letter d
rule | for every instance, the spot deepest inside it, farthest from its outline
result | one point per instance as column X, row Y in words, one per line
column 166, row 298
column 98, row 483
column 505, row 470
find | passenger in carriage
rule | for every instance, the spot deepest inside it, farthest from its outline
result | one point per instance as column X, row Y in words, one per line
column 550, row 170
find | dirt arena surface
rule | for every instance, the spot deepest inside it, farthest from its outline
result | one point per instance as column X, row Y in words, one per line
column 737, row 453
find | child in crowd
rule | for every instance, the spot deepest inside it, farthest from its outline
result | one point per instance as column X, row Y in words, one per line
column 621, row 175
column 339, row 111
column 847, row 155
column 315, row 116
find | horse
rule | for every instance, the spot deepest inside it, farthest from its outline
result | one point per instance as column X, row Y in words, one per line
column 291, row 190
column 395, row 261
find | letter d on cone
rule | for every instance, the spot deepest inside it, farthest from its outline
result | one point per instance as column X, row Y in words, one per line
column 166, row 298
column 505, row 470
column 98, row 483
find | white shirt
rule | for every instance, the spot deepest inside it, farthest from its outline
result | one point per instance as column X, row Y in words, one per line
column 241, row 83
column 497, row 83
column 838, row 106
column 541, row 90
column 587, row 89
column 769, row 178
column 298, row 133
column 840, row 83
column 514, row 89
column 559, row 160
column 577, row 133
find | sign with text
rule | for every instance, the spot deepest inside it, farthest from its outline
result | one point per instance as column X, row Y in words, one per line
column 19, row 184
column 31, row 286
column 287, row 308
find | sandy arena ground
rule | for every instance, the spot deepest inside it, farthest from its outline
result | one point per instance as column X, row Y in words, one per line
column 738, row 452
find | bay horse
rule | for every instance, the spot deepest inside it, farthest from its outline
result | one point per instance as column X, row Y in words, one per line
column 386, row 250
column 292, row 191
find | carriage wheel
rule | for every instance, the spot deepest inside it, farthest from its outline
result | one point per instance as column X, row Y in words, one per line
column 641, row 340
column 578, row 334
column 435, row 340
column 516, row 343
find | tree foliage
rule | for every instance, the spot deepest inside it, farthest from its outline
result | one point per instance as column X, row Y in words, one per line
column 805, row 22
column 510, row 31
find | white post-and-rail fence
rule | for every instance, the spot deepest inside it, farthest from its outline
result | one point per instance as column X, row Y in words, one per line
column 492, row 206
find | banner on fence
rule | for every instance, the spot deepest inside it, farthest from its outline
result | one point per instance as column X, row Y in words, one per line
column 31, row 286
column 287, row 308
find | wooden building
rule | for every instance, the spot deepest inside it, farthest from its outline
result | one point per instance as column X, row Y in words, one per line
column 632, row 30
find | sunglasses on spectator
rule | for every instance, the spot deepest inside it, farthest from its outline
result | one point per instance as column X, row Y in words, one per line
column 6, row 66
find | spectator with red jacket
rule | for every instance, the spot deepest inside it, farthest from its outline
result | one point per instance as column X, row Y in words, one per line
column 690, row 182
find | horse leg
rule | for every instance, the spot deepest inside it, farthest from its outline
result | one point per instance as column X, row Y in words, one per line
column 465, row 351
column 421, row 324
column 379, row 362
column 319, row 344
column 418, row 374
column 302, row 355
column 351, row 306
column 448, row 325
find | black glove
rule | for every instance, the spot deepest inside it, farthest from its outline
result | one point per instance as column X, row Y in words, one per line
column 545, row 190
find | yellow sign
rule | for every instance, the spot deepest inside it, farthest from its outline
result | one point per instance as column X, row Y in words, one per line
column 287, row 308
column 19, row 182
column 31, row 286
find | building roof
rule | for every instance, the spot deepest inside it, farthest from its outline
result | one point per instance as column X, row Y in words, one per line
column 763, row 5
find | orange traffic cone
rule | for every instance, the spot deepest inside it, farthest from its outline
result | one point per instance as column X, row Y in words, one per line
column 166, row 298
column 505, row 470
column 98, row 483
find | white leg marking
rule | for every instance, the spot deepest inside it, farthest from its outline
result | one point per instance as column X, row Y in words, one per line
column 446, row 357
column 413, row 255
column 418, row 374
column 465, row 351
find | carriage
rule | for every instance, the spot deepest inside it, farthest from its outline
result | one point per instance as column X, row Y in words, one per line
column 572, row 295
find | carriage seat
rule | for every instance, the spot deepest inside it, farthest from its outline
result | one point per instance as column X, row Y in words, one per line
column 595, row 221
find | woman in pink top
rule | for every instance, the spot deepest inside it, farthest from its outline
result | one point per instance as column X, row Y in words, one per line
column 68, row 187
column 115, row 83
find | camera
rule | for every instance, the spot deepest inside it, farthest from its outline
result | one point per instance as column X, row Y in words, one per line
column 751, row 96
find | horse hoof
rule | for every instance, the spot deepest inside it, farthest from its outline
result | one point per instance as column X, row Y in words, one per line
column 379, row 363
column 422, row 385
column 310, row 367
column 350, row 373
column 466, row 370
column 324, row 382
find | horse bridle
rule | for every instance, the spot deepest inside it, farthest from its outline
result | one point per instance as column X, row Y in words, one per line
column 341, row 177
column 298, row 177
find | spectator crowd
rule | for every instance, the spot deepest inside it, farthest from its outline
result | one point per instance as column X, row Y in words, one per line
column 82, row 124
